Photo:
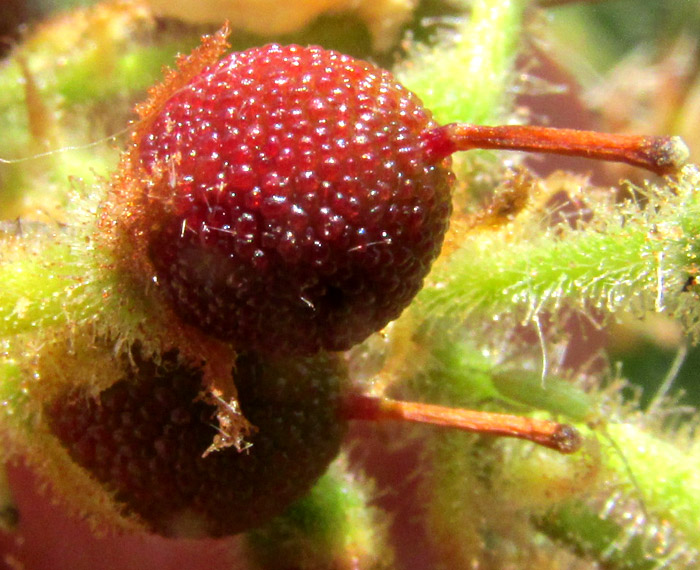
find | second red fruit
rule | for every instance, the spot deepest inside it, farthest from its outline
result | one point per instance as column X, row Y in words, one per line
column 303, row 207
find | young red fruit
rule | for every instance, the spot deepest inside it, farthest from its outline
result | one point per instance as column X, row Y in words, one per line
column 144, row 437
column 302, row 211
column 295, row 198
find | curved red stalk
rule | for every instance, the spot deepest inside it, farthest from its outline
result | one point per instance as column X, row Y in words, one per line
column 659, row 154
column 560, row 437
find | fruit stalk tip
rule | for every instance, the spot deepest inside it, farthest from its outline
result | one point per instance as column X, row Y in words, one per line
column 673, row 151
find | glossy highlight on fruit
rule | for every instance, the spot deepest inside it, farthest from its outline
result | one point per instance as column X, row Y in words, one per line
column 295, row 205
column 144, row 437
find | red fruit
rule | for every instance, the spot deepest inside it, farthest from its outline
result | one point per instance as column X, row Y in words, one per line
column 295, row 198
column 143, row 438
column 303, row 210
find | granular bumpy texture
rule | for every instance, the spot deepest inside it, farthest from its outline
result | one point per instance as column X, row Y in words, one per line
column 144, row 438
column 303, row 209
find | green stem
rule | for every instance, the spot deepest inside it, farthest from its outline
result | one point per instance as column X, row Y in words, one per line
column 332, row 527
column 13, row 398
column 667, row 473
column 483, row 53
column 458, row 374
column 589, row 535
column 628, row 258
column 37, row 287
column 70, row 281
column 647, row 505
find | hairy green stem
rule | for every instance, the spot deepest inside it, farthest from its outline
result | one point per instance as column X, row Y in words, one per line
column 37, row 288
column 481, row 52
column 667, row 472
column 643, row 515
column 629, row 258
column 332, row 527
